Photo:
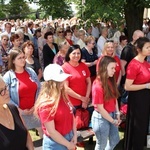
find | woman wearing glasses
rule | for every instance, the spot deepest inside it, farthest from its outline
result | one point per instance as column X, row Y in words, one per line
column 24, row 87
column 4, row 50
column 13, row 133
column 89, row 55
column 59, row 36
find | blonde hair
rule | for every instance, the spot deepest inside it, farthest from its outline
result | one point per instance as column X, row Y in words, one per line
column 50, row 95
column 88, row 39
column 58, row 30
column 105, row 48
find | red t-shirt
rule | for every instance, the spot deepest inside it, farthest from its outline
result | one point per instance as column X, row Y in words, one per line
column 139, row 72
column 63, row 118
column 118, row 66
column 77, row 82
column 27, row 90
column 98, row 97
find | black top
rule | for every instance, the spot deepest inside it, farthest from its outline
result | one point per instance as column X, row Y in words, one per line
column 90, row 58
column 48, row 54
column 128, row 53
column 35, row 66
column 13, row 139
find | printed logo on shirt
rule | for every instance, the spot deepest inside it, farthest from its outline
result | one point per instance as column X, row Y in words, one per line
column 83, row 72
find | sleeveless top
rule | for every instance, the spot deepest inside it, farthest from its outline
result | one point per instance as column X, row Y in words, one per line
column 13, row 139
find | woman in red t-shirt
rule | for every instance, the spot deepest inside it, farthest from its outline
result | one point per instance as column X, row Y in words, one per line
column 24, row 88
column 78, row 85
column 110, row 51
column 106, row 116
column 138, row 84
column 55, row 111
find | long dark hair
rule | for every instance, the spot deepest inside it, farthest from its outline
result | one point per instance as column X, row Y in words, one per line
column 70, row 50
column 108, row 83
column 13, row 54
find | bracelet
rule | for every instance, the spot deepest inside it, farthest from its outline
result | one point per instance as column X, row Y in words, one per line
column 118, row 113
column 147, row 85
column 114, row 121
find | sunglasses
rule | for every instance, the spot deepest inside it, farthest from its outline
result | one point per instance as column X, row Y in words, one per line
column 3, row 91
column 61, row 31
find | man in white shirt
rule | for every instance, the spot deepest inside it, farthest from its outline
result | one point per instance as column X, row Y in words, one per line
column 101, row 41
column 95, row 31
column 8, row 27
column 75, row 35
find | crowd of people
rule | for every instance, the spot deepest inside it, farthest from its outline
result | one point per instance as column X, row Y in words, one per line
column 51, row 68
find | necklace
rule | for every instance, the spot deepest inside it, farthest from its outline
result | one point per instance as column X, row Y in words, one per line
column 90, row 51
column 6, row 110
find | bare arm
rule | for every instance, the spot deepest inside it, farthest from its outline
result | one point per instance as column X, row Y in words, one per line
column 129, row 86
column 29, row 143
column 56, row 136
column 89, row 64
column 106, row 115
column 119, row 79
column 40, row 74
column 123, row 64
column 74, row 139
column 88, row 91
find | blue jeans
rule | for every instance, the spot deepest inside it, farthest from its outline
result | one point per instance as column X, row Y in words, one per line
column 50, row 144
column 107, row 135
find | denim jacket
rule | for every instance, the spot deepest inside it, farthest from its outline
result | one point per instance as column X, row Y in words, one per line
column 11, row 79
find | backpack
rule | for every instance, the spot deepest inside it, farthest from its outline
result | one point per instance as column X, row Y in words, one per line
column 82, row 118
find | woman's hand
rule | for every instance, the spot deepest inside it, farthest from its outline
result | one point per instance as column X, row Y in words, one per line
column 117, row 121
column 31, row 110
column 84, row 105
column 84, row 99
column 74, row 139
column 71, row 146
column 118, row 118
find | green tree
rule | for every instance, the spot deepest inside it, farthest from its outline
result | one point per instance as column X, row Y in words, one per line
column 116, row 10
column 17, row 9
column 55, row 8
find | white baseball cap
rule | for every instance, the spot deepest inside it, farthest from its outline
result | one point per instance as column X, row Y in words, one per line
column 54, row 72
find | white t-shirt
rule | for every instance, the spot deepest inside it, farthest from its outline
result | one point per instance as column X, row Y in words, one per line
column 100, row 45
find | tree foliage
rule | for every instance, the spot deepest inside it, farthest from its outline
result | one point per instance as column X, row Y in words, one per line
column 115, row 10
column 55, row 8
column 16, row 9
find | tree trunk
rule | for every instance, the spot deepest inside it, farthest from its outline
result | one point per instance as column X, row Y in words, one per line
column 134, row 16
